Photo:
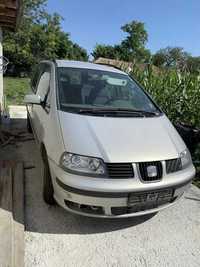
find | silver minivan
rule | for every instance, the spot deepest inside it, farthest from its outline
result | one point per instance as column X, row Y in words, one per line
column 108, row 149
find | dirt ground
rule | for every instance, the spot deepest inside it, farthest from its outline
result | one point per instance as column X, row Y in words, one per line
column 55, row 237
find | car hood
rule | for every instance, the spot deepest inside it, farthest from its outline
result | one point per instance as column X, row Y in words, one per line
column 120, row 139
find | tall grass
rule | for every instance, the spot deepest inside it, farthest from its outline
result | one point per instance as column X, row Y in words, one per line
column 178, row 94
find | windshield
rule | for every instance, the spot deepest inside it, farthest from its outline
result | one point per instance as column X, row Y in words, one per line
column 88, row 89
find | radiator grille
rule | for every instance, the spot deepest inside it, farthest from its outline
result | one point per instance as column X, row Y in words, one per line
column 173, row 165
column 143, row 167
column 120, row 170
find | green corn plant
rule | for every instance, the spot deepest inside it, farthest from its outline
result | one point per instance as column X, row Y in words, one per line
column 178, row 94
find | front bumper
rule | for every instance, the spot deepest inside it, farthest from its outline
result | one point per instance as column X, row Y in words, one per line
column 97, row 197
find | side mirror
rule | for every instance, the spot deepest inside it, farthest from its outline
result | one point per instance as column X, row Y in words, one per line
column 32, row 99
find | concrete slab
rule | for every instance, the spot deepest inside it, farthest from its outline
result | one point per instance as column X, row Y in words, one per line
column 18, row 216
column 6, row 219
column 11, row 214
column 17, row 112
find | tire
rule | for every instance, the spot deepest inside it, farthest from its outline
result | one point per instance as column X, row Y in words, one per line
column 48, row 190
column 29, row 128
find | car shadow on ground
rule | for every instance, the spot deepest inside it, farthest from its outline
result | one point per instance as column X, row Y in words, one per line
column 56, row 220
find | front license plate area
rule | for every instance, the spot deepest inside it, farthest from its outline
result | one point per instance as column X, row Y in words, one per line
column 150, row 199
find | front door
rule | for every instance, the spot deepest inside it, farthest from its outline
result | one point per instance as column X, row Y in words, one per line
column 40, row 113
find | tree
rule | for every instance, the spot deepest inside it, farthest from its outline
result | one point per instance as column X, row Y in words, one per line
column 171, row 57
column 34, row 10
column 132, row 48
column 135, row 41
column 77, row 53
column 106, row 51
column 39, row 37
column 159, row 59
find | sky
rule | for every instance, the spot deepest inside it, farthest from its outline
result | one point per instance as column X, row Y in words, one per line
column 168, row 22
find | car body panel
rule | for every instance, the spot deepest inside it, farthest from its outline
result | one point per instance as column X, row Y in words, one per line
column 120, row 139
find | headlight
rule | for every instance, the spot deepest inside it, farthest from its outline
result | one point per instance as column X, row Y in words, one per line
column 186, row 159
column 82, row 165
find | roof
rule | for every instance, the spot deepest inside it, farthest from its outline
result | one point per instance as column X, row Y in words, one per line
column 10, row 11
column 127, row 66
column 122, row 65
column 86, row 65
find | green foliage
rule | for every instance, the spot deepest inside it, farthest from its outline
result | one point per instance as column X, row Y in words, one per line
column 39, row 37
column 106, row 51
column 193, row 65
column 135, row 42
column 34, row 10
column 132, row 48
column 171, row 57
column 178, row 94
column 15, row 89
column 137, row 35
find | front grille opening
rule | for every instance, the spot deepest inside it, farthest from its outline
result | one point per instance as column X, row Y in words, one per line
column 119, row 210
column 84, row 208
column 144, row 173
column 173, row 165
column 120, row 170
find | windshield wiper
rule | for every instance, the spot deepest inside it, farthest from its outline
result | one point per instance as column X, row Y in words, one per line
column 108, row 111
column 143, row 112
column 117, row 111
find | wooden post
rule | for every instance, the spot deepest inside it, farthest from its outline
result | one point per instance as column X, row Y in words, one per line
column 1, row 72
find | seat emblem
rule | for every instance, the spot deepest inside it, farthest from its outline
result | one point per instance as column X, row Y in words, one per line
column 152, row 171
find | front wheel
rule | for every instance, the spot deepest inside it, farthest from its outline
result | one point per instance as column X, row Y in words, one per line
column 47, row 183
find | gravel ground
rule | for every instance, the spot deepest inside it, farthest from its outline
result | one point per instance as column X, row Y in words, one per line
column 55, row 237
